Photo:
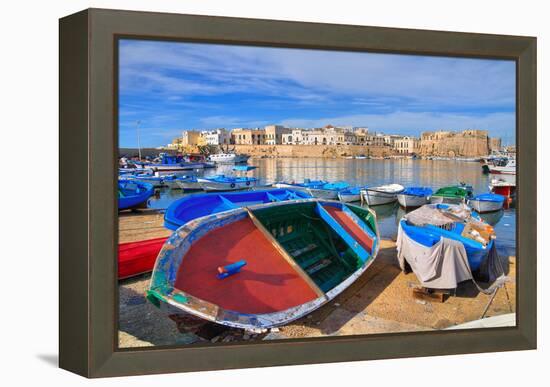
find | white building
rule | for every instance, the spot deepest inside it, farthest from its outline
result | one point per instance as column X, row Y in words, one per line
column 216, row 136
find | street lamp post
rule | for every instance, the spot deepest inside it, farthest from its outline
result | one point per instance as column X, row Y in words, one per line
column 139, row 144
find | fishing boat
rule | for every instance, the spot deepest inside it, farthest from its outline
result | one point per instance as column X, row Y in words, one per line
column 188, row 183
column 487, row 202
column 228, row 158
column 135, row 258
column 317, row 188
column 226, row 183
column 383, row 194
column 170, row 181
column 360, row 157
column 155, row 181
column 133, row 194
column 503, row 186
column 195, row 206
column 505, row 166
column 414, row 196
column 453, row 194
column 349, row 195
column 434, row 223
column 244, row 168
column 266, row 265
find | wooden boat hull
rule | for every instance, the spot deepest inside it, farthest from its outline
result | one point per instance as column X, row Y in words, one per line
column 189, row 185
column 483, row 206
column 289, row 271
column 349, row 197
column 376, row 198
column 139, row 257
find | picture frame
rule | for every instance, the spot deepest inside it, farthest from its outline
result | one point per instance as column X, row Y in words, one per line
column 88, row 209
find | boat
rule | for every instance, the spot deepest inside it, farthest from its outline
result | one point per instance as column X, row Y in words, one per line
column 349, row 195
column 244, row 168
column 454, row 194
column 414, row 196
column 133, row 194
column 188, row 183
column 505, row 166
column 228, row 158
column 155, row 181
column 266, row 265
column 383, row 194
column 226, row 183
column 317, row 188
column 170, row 181
column 432, row 223
column 173, row 164
column 503, row 186
column 487, row 202
column 195, row 206
column 360, row 157
column 135, row 258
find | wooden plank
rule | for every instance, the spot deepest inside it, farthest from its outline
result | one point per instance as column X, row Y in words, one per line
column 285, row 255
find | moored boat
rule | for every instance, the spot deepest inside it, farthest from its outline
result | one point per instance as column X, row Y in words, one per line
column 276, row 262
column 384, row 194
column 504, row 187
column 317, row 188
column 195, row 206
column 414, row 197
column 487, row 202
column 133, row 194
column 188, row 183
column 226, row 183
column 155, row 181
column 228, row 158
column 349, row 195
column 505, row 167
column 455, row 194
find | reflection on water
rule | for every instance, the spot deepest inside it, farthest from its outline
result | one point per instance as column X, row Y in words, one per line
column 407, row 172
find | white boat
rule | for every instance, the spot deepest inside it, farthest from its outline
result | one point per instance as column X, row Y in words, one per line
column 228, row 158
column 318, row 188
column 226, row 183
column 414, row 197
column 505, row 186
column 507, row 167
column 188, row 183
column 381, row 195
column 487, row 202
column 350, row 195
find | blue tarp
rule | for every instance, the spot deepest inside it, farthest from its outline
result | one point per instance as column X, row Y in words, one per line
column 417, row 191
column 489, row 197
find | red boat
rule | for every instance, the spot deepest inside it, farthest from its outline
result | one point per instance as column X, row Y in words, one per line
column 139, row 257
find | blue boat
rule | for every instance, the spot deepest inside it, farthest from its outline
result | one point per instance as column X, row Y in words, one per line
column 430, row 223
column 244, row 168
column 226, row 183
column 414, row 196
column 132, row 194
column 155, row 181
column 197, row 205
column 487, row 202
column 317, row 188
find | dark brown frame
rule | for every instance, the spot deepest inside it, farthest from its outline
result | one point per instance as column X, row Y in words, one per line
column 88, row 213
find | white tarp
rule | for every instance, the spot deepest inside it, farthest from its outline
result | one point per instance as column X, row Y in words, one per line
column 445, row 264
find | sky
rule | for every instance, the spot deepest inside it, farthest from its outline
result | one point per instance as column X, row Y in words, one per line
column 168, row 87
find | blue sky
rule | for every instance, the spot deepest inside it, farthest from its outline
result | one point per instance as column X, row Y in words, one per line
column 170, row 87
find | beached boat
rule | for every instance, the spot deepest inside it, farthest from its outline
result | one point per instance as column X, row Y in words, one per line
column 266, row 265
column 228, row 158
column 487, row 202
column 188, row 183
column 195, row 206
column 317, row 188
column 455, row 194
column 383, row 194
column 414, row 197
column 433, row 224
column 226, row 183
column 135, row 258
column 349, row 195
column 133, row 194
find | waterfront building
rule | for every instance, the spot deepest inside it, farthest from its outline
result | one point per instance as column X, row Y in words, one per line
column 274, row 134
column 216, row 136
column 243, row 136
column 407, row 145
column 190, row 138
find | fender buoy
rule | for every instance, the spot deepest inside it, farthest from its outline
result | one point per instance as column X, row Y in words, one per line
column 247, row 183
column 232, row 185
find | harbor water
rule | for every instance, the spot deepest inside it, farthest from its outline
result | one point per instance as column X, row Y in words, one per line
column 369, row 172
